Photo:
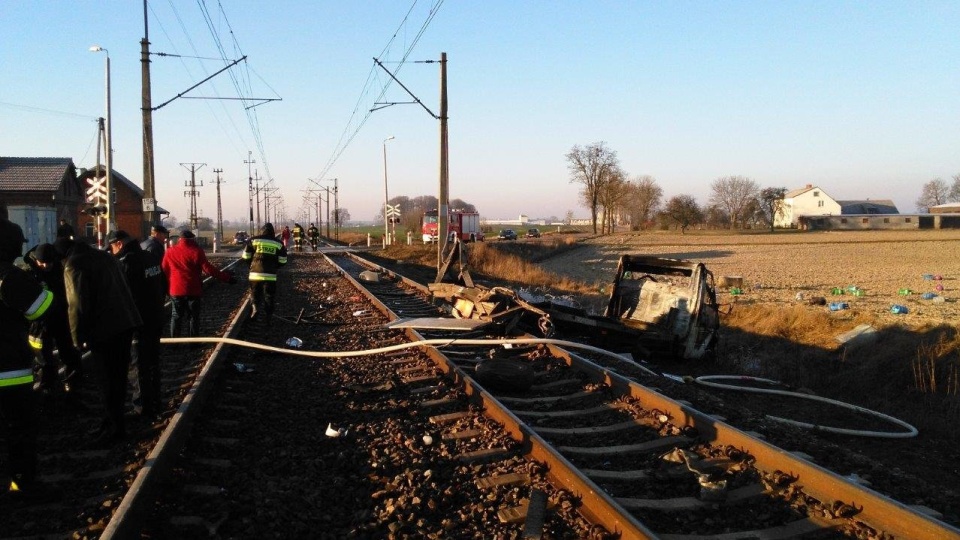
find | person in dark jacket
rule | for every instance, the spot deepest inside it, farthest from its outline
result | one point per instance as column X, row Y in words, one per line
column 103, row 317
column 157, row 243
column 22, row 300
column 266, row 255
column 54, row 329
column 183, row 265
column 65, row 230
column 145, row 279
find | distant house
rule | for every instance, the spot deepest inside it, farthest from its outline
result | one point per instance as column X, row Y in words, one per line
column 38, row 192
column 806, row 201
column 868, row 207
column 948, row 208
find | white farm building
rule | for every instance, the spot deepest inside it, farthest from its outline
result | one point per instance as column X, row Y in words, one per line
column 806, row 201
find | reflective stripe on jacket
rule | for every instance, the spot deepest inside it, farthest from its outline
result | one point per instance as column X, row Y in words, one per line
column 266, row 256
column 16, row 377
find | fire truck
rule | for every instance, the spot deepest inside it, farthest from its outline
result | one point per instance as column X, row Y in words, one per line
column 463, row 224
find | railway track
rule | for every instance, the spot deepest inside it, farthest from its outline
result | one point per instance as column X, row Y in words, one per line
column 678, row 471
column 405, row 443
column 93, row 482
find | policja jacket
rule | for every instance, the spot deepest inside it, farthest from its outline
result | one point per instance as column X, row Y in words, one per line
column 145, row 279
column 99, row 300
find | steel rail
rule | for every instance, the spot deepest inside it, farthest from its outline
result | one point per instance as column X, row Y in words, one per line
column 596, row 505
column 874, row 509
column 126, row 521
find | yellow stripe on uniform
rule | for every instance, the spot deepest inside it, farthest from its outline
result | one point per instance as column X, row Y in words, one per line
column 261, row 276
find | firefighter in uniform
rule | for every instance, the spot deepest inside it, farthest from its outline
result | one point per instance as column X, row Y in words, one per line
column 266, row 255
column 297, row 237
column 22, row 300
column 313, row 233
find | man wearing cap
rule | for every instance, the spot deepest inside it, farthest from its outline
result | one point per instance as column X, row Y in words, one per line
column 145, row 279
column 183, row 265
column 22, row 299
column 103, row 317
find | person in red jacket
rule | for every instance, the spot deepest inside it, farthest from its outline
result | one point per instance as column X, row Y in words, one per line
column 183, row 265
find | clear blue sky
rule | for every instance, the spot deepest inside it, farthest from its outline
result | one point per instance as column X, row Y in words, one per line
column 860, row 98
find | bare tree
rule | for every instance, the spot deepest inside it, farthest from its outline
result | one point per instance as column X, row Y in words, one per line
column 683, row 211
column 954, row 195
column 642, row 201
column 460, row 204
column 733, row 194
column 770, row 201
column 592, row 167
column 715, row 217
column 934, row 192
column 612, row 197
column 341, row 216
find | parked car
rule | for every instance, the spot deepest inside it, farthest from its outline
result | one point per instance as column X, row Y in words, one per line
column 533, row 233
column 507, row 234
column 240, row 238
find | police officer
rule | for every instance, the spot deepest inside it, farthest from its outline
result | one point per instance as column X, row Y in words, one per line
column 145, row 279
column 266, row 255
column 22, row 299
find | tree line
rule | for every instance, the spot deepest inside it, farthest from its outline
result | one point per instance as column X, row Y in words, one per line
column 616, row 199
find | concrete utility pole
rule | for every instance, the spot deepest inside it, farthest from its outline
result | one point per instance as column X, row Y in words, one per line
column 327, row 189
column 219, row 205
column 146, row 108
column 249, row 161
column 256, row 181
column 192, row 192
column 443, row 201
column 386, row 197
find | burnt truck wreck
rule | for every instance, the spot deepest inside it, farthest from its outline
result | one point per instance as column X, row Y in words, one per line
column 657, row 307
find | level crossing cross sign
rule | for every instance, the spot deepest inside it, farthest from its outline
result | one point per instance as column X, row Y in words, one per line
column 393, row 210
column 97, row 192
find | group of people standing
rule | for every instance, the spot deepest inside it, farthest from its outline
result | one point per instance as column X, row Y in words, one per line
column 76, row 299
column 313, row 235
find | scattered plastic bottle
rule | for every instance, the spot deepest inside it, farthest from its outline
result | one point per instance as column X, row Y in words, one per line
column 735, row 291
column 928, row 296
column 800, row 296
column 938, row 287
column 837, row 306
column 858, row 292
column 928, row 277
column 294, row 343
column 899, row 309
column 904, row 292
column 836, row 291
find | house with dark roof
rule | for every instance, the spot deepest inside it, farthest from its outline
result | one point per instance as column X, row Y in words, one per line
column 38, row 192
column 868, row 207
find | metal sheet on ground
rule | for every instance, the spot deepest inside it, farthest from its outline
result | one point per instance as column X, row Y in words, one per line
column 436, row 323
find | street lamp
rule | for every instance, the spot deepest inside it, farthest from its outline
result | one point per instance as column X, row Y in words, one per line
column 386, row 198
column 111, row 219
